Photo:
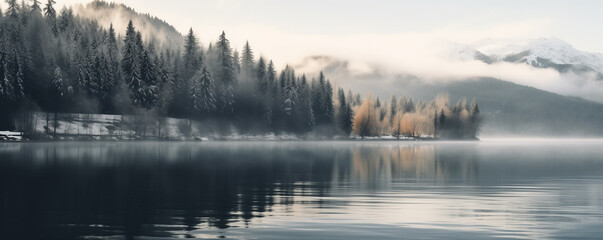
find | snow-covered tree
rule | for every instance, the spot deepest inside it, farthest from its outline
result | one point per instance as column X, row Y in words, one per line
column 247, row 63
column 261, row 76
column 192, row 55
column 13, row 9
column 35, row 6
column 203, row 92
column 225, row 75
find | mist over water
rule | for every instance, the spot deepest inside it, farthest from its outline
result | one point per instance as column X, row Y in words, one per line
column 293, row 190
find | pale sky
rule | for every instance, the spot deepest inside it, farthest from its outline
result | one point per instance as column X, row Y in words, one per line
column 577, row 22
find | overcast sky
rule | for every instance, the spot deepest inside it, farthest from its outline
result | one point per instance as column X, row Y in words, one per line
column 577, row 22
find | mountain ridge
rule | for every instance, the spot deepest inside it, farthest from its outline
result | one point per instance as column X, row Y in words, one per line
column 540, row 53
column 152, row 28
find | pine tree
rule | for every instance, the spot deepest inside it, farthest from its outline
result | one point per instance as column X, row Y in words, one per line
column 474, row 119
column 261, row 76
column 58, row 84
column 18, row 88
column 436, row 124
column 409, row 106
column 111, row 67
column 8, row 78
column 132, row 64
column 35, row 6
column 393, row 109
column 442, row 121
column 236, row 60
column 192, row 55
column 66, row 19
column 203, row 92
column 51, row 16
column 130, row 51
column 328, row 108
column 271, row 77
column 344, row 118
column 348, row 120
column 317, row 98
column 149, row 74
column 225, row 74
column 247, row 63
column 283, row 80
column 290, row 96
column 13, row 9
column 49, row 10
column 305, row 105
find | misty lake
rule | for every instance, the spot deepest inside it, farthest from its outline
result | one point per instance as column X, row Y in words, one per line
column 302, row 190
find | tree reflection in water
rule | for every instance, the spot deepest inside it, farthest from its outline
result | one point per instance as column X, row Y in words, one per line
column 71, row 190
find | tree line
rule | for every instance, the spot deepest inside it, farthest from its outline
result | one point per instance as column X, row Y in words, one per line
column 57, row 62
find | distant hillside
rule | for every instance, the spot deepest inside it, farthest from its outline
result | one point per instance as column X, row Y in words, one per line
column 508, row 109
column 152, row 28
column 512, row 109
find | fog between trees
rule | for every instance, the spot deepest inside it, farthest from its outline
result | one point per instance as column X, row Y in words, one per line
column 58, row 62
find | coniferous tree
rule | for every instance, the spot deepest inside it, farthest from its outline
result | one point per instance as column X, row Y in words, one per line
column 436, row 124
column 328, row 108
column 344, row 114
column 290, row 101
column 203, row 92
column 442, row 121
column 236, row 59
column 474, row 119
column 318, row 98
column 13, row 9
column 409, row 106
column 393, row 109
column 247, row 63
column 306, row 117
column 65, row 20
column 149, row 74
column 18, row 88
column 261, row 76
column 130, row 51
column 271, row 98
column 35, row 6
column 192, row 55
column 225, row 75
column 49, row 10
column 59, row 89
column 51, row 16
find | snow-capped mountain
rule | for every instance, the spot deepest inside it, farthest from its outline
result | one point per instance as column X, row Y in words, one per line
column 542, row 53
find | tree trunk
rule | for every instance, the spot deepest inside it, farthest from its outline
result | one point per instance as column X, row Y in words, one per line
column 54, row 131
column 47, row 122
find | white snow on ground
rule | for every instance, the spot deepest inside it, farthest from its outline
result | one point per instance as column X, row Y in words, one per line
column 10, row 136
column 73, row 126
column 98, row 126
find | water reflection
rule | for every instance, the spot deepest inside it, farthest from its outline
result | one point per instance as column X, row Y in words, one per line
column 272, row 190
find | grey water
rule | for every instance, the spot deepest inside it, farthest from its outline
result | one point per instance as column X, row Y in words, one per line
column 540, row 189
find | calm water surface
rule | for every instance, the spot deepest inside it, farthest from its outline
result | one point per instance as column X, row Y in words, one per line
column 302, row 190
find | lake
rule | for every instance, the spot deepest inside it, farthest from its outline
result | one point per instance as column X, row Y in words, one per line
column 521, row 189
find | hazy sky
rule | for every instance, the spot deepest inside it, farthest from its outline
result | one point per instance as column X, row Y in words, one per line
column 577, row 22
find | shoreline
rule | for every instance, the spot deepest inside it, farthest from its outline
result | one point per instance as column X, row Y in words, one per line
column 20, row 137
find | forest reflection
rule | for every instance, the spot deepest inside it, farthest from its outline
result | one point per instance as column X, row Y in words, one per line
column 70, row 190
column 380, row 165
